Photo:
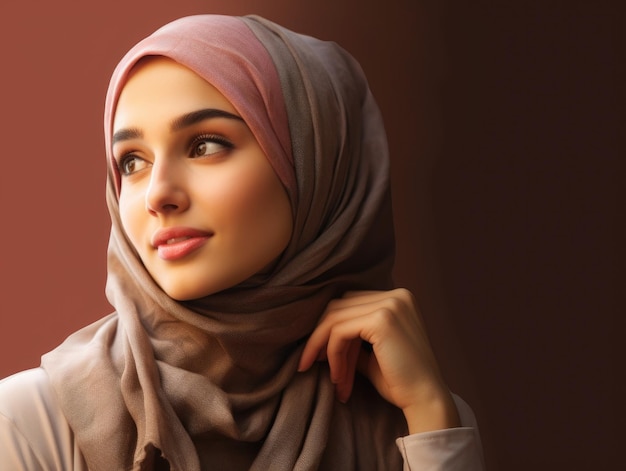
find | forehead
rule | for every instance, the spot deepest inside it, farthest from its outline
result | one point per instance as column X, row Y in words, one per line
column 158, row 86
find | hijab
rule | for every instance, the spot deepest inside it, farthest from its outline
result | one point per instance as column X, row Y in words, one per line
column 212, row 383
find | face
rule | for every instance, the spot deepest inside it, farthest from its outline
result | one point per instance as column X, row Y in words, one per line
column 199, row 200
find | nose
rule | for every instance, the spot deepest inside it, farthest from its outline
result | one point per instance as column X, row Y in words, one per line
column 166, row 190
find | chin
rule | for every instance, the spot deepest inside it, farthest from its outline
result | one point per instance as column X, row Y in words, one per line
column 187, row 295
column 185, row 292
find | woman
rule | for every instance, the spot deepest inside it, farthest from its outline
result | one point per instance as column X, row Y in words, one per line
column 249, row 267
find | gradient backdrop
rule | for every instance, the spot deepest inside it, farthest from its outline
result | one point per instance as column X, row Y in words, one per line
column 503, row 125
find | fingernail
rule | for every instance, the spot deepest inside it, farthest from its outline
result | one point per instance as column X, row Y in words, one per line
column 340, row 394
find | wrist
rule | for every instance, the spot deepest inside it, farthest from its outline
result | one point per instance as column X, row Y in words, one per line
column 437, row 412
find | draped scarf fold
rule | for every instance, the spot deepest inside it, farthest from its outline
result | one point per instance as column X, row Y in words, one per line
column 212, row 383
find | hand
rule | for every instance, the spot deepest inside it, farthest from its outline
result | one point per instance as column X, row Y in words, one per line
column 401, row 364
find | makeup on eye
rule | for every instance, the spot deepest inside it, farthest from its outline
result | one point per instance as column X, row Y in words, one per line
column 206, row 145
column 128, row 162
column 200, row 145
column 207, row 126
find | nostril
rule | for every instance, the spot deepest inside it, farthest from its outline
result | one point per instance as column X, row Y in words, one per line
column 164, row 208
column 170, row 207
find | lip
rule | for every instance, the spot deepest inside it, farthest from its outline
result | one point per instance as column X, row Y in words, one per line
column 182, row 241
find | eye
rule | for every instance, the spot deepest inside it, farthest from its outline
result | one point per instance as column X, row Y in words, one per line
column 130, row 164
column 204, row 146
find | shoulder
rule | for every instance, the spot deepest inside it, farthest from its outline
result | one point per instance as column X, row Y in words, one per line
column 22, row 387
column 34, row 434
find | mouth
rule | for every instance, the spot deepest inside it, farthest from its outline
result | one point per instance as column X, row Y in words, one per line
column 178, row 242
column 175, row 240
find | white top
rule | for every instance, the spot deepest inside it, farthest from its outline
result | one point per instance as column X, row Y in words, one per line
column 34, row 435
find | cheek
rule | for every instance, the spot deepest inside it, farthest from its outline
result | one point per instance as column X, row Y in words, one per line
column 130, row 207
column 257, row 200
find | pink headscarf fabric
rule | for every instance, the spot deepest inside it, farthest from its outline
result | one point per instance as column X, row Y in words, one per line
column 212, row 383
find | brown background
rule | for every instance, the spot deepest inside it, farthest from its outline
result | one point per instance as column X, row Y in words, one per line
column 503, row 124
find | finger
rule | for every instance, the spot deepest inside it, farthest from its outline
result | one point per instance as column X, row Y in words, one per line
column 401, row 296
column 354, row 304
column 309, row 355
column 338, row 352
column 315, row 347
column 355, row 298
column 345, row 385
column 367, row 365
column 362, row 293
column 343, row 346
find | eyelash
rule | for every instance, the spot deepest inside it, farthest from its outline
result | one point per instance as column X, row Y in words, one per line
column 195, row 141
column 122, row 162
column 222, row 141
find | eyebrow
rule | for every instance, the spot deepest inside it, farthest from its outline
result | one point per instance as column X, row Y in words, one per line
column 126, row 134
column 194, row 117
column 186, row 120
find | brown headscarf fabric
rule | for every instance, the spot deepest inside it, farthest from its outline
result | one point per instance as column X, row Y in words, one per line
column 212, row 383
